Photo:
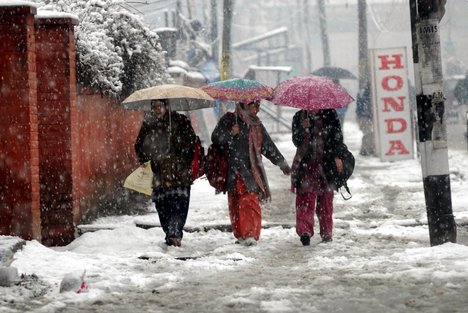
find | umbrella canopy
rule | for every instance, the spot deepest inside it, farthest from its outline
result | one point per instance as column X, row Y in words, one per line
column 238, row 89
column 311, row 92
column 334, row 72
column 181, row 98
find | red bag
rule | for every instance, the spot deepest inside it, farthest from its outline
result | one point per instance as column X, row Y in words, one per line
column 198, row 162
column 216, row 166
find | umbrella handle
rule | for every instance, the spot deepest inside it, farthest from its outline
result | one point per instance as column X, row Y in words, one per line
column 305, row 115
column 170, row 130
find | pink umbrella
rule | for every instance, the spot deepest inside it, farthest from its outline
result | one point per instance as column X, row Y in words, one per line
column 311, row 92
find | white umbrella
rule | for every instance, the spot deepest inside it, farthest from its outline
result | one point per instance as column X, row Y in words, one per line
column 181, row 98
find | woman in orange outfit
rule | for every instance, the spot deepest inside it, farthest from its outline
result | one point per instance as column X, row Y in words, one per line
column 247, row 183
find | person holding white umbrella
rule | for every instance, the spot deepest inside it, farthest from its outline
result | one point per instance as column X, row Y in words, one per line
column 168, row 141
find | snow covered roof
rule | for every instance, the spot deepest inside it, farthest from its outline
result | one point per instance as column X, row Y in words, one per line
column 195, row 75
column 271, row 68
column 165, row 29
column 262, row 37
column 176, row 70
column 179, row 63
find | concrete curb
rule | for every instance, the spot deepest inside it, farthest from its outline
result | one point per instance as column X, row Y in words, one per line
column 228, row 228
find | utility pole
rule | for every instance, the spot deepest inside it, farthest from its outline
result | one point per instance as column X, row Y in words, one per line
column 189, row 9
column 178, row 21
column 214, row 30
column 364, row 113
column 324, row 33
column 432, row 127
column 307, row 50
column 225, row 70
column 362, row 44
column 301, row 29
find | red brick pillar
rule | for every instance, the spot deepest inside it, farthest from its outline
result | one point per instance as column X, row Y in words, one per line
column 19, row 155
column 56, row 92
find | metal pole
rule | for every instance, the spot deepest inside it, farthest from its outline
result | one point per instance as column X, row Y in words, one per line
column 225, row 70
column 166, row 18
column 307, row 43
column 432, row 128
column 324, row 33
column 214, row 30
column 364, row 110
column 189, row 9
column 362, row 44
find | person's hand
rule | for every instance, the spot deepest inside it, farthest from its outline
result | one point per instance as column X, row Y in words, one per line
column 235, row 130
column 305, row 123
column 286, row 171
column 339, row 164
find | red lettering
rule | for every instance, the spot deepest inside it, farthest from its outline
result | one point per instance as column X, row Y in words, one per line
column 393, row 103
column 397, row 83
column 391, row 129
column 397, row 146
column 386, row 61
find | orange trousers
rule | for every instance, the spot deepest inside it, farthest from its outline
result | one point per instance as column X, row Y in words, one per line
column 245, row 212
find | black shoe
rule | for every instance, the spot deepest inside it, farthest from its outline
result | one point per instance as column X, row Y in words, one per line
column 327, row 239
column 305, row 239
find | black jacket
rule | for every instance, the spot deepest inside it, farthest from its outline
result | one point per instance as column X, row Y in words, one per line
column 239, row 160
column 170, row 149
column 333, row 145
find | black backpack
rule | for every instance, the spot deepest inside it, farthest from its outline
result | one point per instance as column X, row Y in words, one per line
column 338, row 180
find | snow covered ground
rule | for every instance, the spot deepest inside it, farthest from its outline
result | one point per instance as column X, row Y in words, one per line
column 380, row 258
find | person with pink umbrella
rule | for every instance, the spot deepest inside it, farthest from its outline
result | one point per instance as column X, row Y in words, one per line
column 317, row 135
column 316, row 132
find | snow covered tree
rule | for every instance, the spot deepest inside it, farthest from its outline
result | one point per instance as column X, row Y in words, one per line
column 115, row 51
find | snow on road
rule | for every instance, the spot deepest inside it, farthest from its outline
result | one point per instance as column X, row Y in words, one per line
column 380, row 258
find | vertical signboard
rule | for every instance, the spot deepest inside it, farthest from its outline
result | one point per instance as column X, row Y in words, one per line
column 392, row 111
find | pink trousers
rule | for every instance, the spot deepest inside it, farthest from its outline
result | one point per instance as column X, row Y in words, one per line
column 306, row 204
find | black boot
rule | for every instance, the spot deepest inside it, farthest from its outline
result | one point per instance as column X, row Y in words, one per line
column 305, row 239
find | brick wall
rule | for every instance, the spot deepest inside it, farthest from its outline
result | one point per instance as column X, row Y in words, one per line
column 104, row 149
column 61, row 152
column 56, row 95
column 19, row 149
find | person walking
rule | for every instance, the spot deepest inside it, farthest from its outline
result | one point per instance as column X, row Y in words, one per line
column 167, row 140
column 341, row 111
column 317, row 135
column 461, row 90
column 247, row 184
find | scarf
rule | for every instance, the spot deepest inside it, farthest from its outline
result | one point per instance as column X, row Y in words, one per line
column 255, row 150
